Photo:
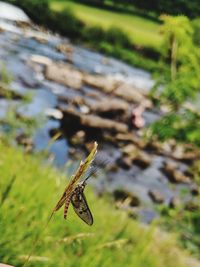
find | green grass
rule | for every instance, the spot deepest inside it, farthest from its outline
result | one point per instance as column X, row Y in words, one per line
column 25, row 205
column 142, row 32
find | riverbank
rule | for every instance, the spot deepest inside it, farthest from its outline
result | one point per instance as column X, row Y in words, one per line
column 111, row 40
column 141, row 31
column 79, row 96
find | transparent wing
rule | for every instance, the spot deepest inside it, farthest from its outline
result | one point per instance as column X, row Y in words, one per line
column 74, row 179
column 81, row 207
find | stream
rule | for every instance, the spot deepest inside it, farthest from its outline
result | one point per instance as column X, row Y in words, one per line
column 17, row 47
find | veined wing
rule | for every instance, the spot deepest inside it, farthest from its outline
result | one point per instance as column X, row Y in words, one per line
column 74, row 179
column 80, row 205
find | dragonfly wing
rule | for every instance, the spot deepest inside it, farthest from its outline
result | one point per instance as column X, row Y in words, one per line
column 81, row 207
column 66, row 197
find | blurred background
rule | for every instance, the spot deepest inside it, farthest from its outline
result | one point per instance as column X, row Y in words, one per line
column 127, row 75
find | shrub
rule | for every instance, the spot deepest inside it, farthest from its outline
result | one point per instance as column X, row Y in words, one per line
column 93, row 34
column 66, row 23
column 196, row 34
column 117, row 37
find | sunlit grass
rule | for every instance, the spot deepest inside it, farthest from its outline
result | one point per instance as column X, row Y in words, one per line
column 114, row 239
column 141, row 31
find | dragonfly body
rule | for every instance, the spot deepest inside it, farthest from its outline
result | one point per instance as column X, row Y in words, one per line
column 74, row 192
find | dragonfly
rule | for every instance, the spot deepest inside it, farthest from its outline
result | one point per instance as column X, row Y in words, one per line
column 79, row 201
column 74, row 191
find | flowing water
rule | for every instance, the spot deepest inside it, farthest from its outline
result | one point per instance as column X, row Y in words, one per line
column 17, row 47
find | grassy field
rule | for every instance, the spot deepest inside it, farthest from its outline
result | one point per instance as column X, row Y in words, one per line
column 26, row 202
column 142, row 32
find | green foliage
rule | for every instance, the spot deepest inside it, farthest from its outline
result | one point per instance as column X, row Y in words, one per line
column 93, row 34
column 165, row 128
column 180, row 83
column 189, row 8
column 13, row 123
column 196, row 28
column 116, row 43
column 65, row 22
column 26, row 202
column 113, row 36
column 112, row 40
column 185, row 7
column 185, row 222
column 117, row 37
column 183, row 127
column 131, row 57
column 5, row 77
column 178, row 47
column 141, row 31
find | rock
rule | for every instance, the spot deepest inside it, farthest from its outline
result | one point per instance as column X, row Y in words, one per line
column 131, row 94
column 54, row 113
column 143, row 159
column 156, row 196
column 64, row 74
column 77, row 101
column 1, row 29
column 131, row 137
column 110, row 138
column 195, row 190
column 179, row 177
column 23, row 25
column 106, row 84
column 137, row 156
column 193, row 205
column 28, row 80
column 125, row 162
column 94, row 94
column 92, row 121
column 22, row 139
column 67, row 50
column 125, row 206
column 42, row 60
column 131, row 150
column 72, row 151
column 78, row 138
column 40, row 38
column 105, row 60
column 84, row 109
column 112, row 167
column 182, row 152
column 13, row 13
column 27, row 142
column 174, row 175
column 100, row 123
column 123, row 195
column 110, row 107
column 161, row 148
column 185, row 153
column 174, row 203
